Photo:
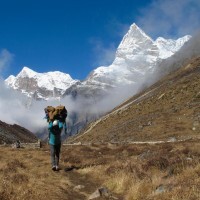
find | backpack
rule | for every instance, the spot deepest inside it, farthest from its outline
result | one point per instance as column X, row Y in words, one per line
column 59, row 113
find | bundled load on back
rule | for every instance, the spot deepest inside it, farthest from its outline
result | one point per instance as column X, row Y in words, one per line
column 59, row 113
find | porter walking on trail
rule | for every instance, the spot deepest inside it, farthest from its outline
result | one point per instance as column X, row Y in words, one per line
column 55, row 129
column 56, row 118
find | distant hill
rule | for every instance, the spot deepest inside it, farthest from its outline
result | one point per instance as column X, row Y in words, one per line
column 11, row 133
column 169, row 109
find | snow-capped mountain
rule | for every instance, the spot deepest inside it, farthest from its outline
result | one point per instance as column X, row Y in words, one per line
column 137, row 55
column 40, row 85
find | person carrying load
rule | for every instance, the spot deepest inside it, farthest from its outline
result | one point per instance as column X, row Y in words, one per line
column 56, row 122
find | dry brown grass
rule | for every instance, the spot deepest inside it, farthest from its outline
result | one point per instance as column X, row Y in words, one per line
column 138, row 171
column 130, row 172
column 26, row 174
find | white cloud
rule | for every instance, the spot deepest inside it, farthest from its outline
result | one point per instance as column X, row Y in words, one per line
column 170, row 18
column 104, row 55
column 14, row 110
column 5, row 59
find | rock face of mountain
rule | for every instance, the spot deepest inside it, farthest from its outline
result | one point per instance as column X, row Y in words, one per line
column 168, row 110
column 136, row 56
column 11, row 133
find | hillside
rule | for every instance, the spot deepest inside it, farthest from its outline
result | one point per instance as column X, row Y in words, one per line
column 11, row 133
column 169, row 109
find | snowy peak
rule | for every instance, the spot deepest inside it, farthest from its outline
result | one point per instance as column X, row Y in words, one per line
column 179, row 42
column 135, row 32
column 11, row 78
column 184, row 39
column 168, row 47
column 136, row 56
column 56, row 75
column 27, row 72
column 135, row 42
column 55, row 79
column 10, row 81
column 42, row 85
column 134, row 37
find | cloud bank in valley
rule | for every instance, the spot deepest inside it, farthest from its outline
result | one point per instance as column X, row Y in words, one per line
column 14, row 109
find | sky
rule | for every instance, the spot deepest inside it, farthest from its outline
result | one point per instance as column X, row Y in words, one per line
column 77, row 36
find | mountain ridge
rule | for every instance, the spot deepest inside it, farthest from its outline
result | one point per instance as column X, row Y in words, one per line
column 125, row 69
column 40, row 83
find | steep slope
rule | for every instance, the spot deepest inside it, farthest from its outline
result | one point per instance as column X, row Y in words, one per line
column 168, row 109
column 11, row 133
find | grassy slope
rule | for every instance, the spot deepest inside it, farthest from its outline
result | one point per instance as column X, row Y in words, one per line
column 169, row 108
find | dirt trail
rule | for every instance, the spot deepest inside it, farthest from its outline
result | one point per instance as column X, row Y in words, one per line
column 28, row 175
column 71, row 184
column 87, row 185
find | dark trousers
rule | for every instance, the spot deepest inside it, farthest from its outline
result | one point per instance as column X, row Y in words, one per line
column 55, row 154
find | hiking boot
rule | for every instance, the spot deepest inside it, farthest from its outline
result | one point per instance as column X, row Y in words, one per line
column 54, row 168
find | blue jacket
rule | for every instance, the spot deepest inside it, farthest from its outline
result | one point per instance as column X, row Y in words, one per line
column 55, row 133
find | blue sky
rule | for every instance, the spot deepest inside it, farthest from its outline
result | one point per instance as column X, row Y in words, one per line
column 77, row 36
